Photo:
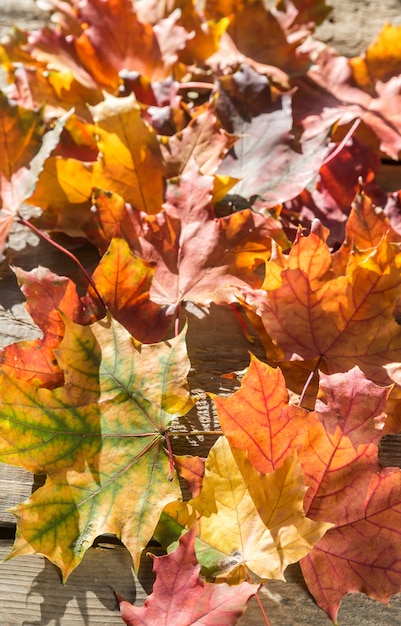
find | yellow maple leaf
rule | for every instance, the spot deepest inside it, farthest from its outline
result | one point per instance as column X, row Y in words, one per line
column 254, row 523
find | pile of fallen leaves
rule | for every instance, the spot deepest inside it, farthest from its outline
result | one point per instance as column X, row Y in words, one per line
column 213, row 152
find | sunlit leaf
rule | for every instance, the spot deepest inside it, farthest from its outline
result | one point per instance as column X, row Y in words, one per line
column 104, row 38
column 345, row 318
column 99, row 438
column 48, row 297
column 337, row 447
column 123, row 280
column 24, row 149
column 202, row 142
column 330, row 94
column 267, row 144
column 251, row 522
column 181, row 597
column 129, row 163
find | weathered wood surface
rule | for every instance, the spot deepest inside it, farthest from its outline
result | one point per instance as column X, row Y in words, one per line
column 31, row 594
column 352, row 26
column 24, row 13
column 30, row 590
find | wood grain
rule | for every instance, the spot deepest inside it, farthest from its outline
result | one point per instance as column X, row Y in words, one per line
column 30, row 590
column 31, row 594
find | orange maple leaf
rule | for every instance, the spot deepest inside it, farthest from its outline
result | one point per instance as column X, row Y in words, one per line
column 337, row 308
column 337, row 446
column 100, row 38
column 48, row 296
column 123, row 280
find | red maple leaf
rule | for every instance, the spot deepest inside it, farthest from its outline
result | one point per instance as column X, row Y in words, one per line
column 96, row 39
column 337, row 446
column 268, row 144
column 330, row 94
column 181, row 598
column 49, row 296
column 197, row 256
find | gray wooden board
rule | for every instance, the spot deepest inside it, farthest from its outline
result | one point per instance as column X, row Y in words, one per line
column 353, row 24
column 30, row 590
column 31, row 594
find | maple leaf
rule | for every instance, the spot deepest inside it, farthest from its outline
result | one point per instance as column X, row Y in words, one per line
column 205, row 34
column 257, row 34
column 338, row 310
column 48, row 295
column 258, row 418
column 337, row 446
column 338, row 183
column 201, row 141
column 261, row 117
column 199, row 257
column 129, row 162
column 123, row 281
column 246, row 521
column 24, row 150
column 181, row 598
column 330, row 94
column 196, row 256
column 364, row 501
column 99, row 438
column 101, row 38
column 342, row 564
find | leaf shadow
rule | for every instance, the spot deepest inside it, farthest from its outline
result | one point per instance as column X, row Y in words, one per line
column 89, row 590
column 28, row 256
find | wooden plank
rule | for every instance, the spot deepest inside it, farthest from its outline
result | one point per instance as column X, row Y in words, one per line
column 23, row 12
column 390, row 451
column 31, row 594
column 16, row 485
column 290, row 604
column 31, row 591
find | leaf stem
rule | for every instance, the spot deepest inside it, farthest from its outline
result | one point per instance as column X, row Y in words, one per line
column 248, row 336
column 258, row 600
column 308, row 381
column 177, row 320
column 342, row 142
column 170, row 456
column 72, row 256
